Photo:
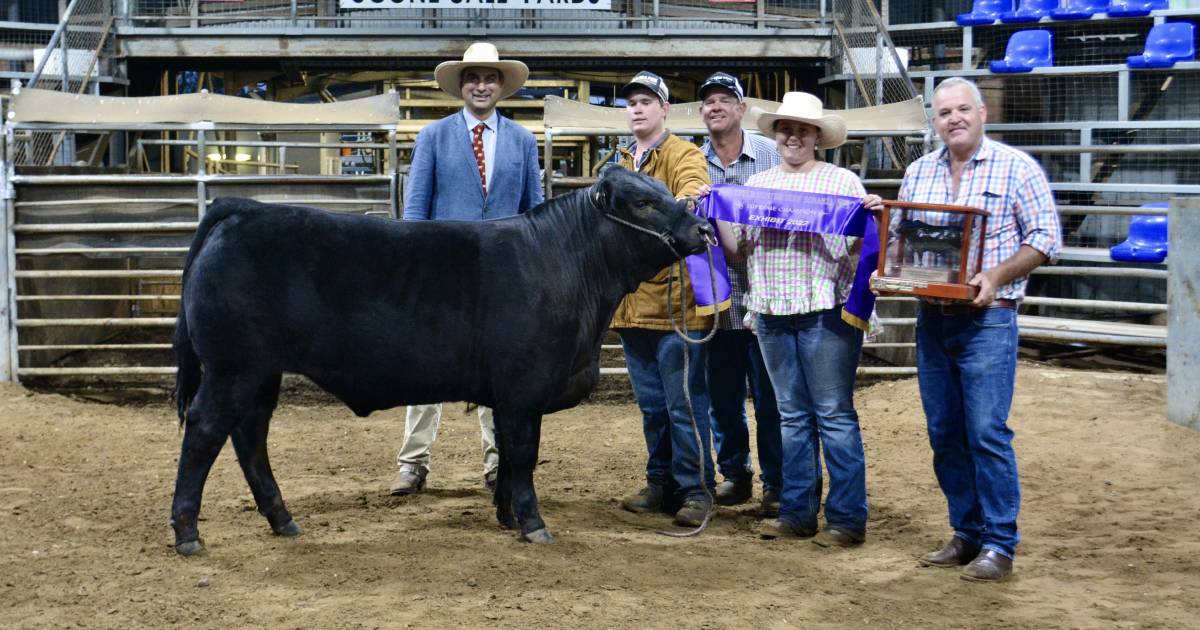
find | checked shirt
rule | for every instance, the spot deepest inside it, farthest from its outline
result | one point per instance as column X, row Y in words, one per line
column 792, row 273
column 758, row 154
column 1005, row 182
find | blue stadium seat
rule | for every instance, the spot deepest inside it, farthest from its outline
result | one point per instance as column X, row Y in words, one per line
column 1135, row 8
column 1147, row 240
column 1027, row 50
column 984, row 12
column 1029, row 11
column 1079, row 9
column 1166, row 44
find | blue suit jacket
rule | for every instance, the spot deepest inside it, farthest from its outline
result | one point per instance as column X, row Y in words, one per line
column 443, row 180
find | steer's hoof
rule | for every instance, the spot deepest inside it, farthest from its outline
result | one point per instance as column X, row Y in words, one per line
column 190, row 548
column 289, row 529
column 538, row 537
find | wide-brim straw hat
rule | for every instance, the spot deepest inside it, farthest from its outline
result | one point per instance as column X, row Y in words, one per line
column 448, row 74
column 805, row 108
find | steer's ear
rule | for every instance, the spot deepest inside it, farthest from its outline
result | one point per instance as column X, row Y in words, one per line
column 604, row 187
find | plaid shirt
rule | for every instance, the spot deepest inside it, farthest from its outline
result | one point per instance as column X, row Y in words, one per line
column 1005, row 182
column 758, row 154
column 792, row 273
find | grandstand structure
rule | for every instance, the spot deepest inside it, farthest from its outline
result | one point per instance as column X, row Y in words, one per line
column 125, row 118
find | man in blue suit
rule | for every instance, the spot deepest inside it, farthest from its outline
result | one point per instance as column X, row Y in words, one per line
column 469, row 166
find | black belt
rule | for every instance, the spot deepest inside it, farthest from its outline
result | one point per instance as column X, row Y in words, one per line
column 959, row 309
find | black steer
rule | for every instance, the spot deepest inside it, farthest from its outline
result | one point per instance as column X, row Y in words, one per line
column 506, row 313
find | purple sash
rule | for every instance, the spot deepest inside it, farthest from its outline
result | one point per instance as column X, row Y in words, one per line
column 710, row 299
column 798, row 212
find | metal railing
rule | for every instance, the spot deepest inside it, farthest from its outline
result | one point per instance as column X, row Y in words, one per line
column 623, row 16
column 92, row 262
column 70, row 62
column 1031, row 327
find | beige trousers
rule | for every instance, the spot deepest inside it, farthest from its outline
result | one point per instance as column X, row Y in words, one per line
column 420, row 430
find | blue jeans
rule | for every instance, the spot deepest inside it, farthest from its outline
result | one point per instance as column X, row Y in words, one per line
column 812, row 359
column 733, row 360
column 966, row 365
column 655, row 362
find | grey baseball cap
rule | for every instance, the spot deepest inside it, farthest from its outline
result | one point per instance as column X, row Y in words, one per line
column 648, row 81
column 725, row 81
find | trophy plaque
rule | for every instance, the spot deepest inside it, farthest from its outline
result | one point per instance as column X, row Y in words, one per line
column 929, row 250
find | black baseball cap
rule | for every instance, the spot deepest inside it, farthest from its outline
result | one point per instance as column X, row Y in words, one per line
column 722, row 80
column 648, row 81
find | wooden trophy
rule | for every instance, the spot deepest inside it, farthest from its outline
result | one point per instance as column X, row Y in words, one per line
column 929, row 250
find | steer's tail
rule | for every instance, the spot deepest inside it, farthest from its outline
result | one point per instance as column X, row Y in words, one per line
column 187, row 362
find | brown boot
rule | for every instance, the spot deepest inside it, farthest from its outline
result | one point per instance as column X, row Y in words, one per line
column 648, row 499
column 409, row 479
column 692, row 513
column 955, row 553
column 734, row 490
column 834, row 536
column 988, row 566
column 770, row 504
column 779, row 528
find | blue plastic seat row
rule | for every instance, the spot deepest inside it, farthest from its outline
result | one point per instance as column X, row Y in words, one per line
column 1165, row 44
column 1013, row 12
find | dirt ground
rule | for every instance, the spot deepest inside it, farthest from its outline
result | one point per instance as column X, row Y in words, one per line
column 1109, row 517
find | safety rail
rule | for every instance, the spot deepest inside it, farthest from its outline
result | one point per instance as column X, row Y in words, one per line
column 1031, row 327
column 92, row 262
column 629, row 16
column 138, row 315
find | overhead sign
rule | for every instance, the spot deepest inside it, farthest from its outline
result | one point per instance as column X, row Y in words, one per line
column 544, row 5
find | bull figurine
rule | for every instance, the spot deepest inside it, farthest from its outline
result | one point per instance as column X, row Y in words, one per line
column 921, row 237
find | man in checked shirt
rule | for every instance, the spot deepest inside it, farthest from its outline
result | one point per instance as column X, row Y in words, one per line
column 967, row 354
column 734, row 359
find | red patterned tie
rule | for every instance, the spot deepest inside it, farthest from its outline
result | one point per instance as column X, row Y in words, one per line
column 477, row 145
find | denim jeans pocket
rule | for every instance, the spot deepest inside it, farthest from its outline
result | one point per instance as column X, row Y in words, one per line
column 993, row 318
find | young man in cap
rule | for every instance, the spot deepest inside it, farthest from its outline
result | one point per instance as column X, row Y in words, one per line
column 679, row 475
column 733, row 354
column 471, row 165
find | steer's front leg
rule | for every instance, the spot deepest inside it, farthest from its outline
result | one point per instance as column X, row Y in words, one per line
column 519, row 435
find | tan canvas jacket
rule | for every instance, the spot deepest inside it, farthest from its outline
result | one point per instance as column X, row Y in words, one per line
column 681, row 166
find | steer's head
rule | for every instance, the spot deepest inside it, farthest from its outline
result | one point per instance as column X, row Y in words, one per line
column 642, row 201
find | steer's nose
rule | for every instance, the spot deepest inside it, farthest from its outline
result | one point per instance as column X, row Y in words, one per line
column 708, row 234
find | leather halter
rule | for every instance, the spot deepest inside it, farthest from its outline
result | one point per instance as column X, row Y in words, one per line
column 597, row 199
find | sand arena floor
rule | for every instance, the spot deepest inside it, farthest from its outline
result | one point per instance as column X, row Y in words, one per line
column 1111, row 503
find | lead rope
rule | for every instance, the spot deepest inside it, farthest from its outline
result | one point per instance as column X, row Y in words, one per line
column 687, row 392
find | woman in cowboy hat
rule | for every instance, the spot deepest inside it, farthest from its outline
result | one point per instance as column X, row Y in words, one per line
column 798, row 282
column 471, row 165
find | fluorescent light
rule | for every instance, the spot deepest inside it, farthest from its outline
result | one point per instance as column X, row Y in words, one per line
column 214, row 156
column 242, row 157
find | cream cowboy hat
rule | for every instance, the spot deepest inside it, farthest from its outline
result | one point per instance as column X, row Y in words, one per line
column 481, row 55
column 805, row 108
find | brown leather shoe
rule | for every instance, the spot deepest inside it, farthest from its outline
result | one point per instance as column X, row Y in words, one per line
column 988, row 566
column 770, row 504
column 955, row 553
column 648, row 499
column 834, row 536
column 734, row 490
column 779, row 528
column 409, row 479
